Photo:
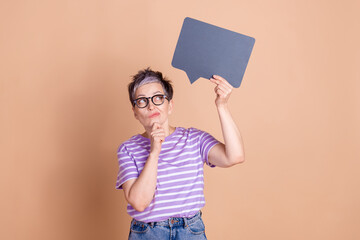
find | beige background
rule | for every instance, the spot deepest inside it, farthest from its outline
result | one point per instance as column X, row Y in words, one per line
column 64, row 110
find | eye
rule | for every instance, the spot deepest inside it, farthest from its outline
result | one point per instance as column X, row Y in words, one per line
column 141, row 101
column 158, row 97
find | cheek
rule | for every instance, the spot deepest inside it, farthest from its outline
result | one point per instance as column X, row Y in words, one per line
column 141, row 116
column 170, row 109
column 137, row 115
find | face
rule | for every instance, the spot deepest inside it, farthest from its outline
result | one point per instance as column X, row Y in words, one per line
column 150, row 114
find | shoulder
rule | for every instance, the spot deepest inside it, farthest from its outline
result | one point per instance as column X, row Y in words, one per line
column 197, row 132
column 191, row 132
column 133, row 142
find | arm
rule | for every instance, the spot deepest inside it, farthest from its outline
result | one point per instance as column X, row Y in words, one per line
column 232, row 152
column 140, row 192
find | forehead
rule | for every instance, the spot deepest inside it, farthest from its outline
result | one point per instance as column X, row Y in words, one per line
column 149, row 89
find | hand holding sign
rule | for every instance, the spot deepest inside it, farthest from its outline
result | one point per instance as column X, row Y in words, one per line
column 222, row 89
column 203, row 50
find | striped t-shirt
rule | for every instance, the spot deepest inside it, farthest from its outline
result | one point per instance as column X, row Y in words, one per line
column 180, row 180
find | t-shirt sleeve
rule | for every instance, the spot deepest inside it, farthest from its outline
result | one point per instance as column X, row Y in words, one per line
column 127, row 167
column 207, row 142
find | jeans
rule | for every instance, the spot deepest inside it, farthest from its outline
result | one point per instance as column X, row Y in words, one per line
column 174, row 228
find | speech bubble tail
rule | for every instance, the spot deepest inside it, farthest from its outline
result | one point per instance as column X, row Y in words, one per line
column 192, row 78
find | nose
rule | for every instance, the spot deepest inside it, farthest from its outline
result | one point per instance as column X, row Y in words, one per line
column 151, row 105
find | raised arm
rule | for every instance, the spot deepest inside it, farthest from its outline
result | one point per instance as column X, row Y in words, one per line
column 232, row 152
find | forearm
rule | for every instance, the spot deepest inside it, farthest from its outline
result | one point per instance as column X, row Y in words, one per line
column 143, row 189
column 234, row 149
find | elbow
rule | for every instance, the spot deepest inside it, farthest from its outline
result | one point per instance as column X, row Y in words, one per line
column 236, row 160
column 138, row 199
column 139, row 208
column 139, row 205
column 241, row 159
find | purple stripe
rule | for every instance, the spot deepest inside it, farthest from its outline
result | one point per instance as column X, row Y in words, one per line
column 174, row 191
column 190, row 152
column 123, row 180
column 171, row 175
column 179, row 202
column 179, row 166
column 181, row 175
column 176, row 196
column 192, row 158
column 126, row 165
column 155, row 212
column 178, row 169
column 184, row 182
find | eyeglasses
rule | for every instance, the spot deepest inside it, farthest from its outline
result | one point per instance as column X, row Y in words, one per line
column 157, row 100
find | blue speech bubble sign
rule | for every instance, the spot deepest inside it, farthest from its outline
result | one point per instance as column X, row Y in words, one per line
column 203, row 50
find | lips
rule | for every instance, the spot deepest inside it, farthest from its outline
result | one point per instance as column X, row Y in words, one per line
column 154, row 115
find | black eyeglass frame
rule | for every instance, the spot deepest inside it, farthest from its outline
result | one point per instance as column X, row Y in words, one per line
column 152, row 100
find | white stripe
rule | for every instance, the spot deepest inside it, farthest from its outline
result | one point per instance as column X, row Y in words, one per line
column 172, row 145
column 178, row 199
column 184, row 166
column 176, row 147
column 182, row 186
column 118, row 181
column 182, row 179
column 177, row 173
column 178, row 193
column 179, row 161
column 183, row 154
column 142, row 150
column 178, row 141
column 209, row 141
column 122, row 177
column 136, row 147
column 127, row 169
column 140, row 139
column 160, row 195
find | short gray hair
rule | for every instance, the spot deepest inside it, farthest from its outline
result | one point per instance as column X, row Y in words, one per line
column 147, row 76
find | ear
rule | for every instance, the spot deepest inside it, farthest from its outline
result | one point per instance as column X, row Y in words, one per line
column 171, row 105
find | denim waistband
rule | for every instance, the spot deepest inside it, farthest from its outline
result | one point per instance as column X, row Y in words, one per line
column 174, row 221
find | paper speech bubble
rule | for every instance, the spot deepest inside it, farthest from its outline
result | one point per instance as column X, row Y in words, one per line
column 203, row 50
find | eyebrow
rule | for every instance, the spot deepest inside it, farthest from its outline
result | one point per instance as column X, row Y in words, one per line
column 142, row 95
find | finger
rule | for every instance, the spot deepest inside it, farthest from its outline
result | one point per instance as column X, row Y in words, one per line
column 225, row 87
column 224, row 90
column 218, row 77
column 157, row 133
column 216, row 81
column 221, row 79
column 220, row 93
column 223, row 83
column 159, row 137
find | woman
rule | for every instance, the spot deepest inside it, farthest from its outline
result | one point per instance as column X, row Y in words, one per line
column 161, row 170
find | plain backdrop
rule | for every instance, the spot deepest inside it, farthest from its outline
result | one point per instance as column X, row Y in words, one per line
column 64, row 110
